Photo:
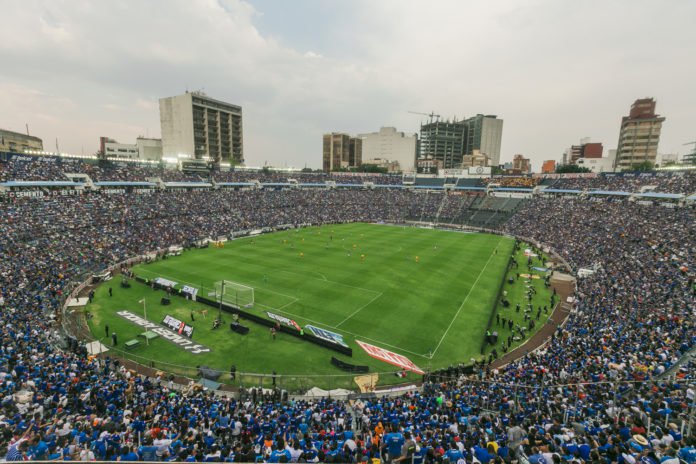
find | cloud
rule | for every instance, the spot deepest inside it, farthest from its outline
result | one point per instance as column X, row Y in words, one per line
column 554, row 71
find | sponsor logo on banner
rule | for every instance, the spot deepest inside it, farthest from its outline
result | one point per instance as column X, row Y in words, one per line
column 193, row 291
column 390, row 357
column 164, row 282
column 178, row 326
column 165, row 333
column 284, row 320
column 329, row 336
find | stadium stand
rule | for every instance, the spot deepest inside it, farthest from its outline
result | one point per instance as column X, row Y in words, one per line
column 430, row 182
column 615, row 384
column 678, row 182
column 465, row 182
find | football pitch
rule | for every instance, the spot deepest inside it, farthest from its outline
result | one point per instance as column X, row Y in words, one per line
column 422, row 293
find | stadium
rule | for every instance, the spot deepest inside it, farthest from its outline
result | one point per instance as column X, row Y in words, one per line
column 327, row 309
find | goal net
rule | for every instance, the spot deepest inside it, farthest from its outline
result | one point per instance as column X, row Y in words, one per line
column 235, row 293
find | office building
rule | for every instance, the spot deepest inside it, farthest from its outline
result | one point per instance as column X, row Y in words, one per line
column 485, row 134
column 390, row 145
column 476, row 159
column 548, row 167
column 521, row 165
column 142, row 149
column 16, row 142
column 585, row 149
column 341, row 151
column 195, row 125
column 596, row 164
column 444, row 142
column 639, row 135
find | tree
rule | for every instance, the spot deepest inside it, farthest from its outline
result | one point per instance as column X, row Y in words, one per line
column 571, row 168
column 644, row 166
column 372, row 168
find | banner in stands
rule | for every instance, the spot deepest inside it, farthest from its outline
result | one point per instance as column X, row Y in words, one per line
column 178, row 326
column 480, row 171
column 327, row 335
column 390, row 357
column 569, row 175
column 505, row 194
column 284, row 320
column 169, row 335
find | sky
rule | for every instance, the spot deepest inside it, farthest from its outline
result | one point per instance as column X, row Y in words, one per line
column 555, row 71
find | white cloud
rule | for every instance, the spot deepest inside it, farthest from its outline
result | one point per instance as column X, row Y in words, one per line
column 555, row 71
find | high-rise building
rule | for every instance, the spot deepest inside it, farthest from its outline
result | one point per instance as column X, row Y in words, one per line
column 444, row 142
column 548, row 167
column 391, row 145
column 521, row 164
column 639, row 135
column 195, row 125
column 690, row 158
column 17, row 142
column 485, row 134
column 341, row 151
column 586, row 149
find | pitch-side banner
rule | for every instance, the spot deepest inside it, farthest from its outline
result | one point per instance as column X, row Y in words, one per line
column 284, row 320
column 390, row 357
column 331, row 337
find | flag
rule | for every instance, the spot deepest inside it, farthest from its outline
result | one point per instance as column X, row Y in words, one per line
column 142, row 301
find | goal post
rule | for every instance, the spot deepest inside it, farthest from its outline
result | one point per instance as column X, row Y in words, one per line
column 235, row 293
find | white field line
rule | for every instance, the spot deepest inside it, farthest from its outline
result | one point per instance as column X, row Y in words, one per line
column 323, row 277
column 359, row 309
column 329, row 281
column 432, row 354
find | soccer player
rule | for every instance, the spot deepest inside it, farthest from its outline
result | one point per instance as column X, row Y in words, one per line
column 362, row 258
column 417, row 259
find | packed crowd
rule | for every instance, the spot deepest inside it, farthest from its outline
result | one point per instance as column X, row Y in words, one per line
column 29, row 168
column 509, row 181
column 50, row 168
column 40, row 169
column 592, row 394
column 675, row 182
column 305, row 177
column 122, row 172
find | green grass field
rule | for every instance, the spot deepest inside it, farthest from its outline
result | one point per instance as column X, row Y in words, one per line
column 425, row 294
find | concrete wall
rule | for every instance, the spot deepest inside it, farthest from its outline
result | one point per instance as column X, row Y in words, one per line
column 176, row 121
column 491, row 139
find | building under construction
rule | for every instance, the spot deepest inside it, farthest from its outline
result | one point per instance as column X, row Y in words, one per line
column 444, row 142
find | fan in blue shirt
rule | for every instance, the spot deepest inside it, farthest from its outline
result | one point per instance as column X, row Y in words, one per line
column 393, row 442
column 453, row 454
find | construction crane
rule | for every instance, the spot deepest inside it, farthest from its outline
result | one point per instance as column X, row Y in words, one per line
column 431, row 115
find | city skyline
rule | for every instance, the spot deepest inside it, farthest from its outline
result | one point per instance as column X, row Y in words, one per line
column 554, row 71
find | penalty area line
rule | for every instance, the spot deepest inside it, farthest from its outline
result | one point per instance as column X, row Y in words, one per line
column 359, row 309
column 432, row 354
